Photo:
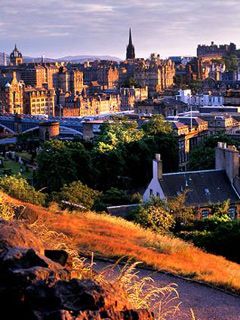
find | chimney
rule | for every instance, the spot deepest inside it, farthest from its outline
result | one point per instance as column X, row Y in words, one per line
column 157, row 167
column 227, row 158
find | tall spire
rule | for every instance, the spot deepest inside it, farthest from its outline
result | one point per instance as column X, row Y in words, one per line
column 130, row 48
column 130, row 37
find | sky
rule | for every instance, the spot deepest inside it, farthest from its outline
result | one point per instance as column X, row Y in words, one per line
column 57, row 28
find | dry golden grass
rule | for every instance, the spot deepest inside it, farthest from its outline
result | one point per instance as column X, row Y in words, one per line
column 114, row 237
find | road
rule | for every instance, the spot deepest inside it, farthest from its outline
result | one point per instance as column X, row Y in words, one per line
column 207, row 303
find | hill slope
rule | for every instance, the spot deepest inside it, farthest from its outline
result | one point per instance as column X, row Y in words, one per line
column 114, row 237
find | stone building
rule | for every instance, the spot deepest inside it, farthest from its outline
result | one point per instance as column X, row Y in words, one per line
column 11, row 94
column 155, row 73
column 33, row 75
column 130, row 96
column 37, row 75
column 164, row 106
column 104, row 72
column 70, row 80
column 39, row 101
column 232, row 97
column 81, row 106
column 214, row 50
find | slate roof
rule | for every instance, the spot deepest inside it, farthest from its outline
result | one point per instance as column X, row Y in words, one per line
column 4, row 81
column 205, row 187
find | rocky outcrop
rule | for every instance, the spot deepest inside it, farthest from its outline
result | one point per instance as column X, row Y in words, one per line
column 14, row 234
column 34, row 287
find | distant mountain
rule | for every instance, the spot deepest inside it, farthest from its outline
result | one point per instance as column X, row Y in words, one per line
column 74, row 59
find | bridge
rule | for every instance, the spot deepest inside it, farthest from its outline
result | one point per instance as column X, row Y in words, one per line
column 16, row 125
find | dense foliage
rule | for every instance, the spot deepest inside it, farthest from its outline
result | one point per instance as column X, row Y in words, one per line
column 218, row 233
column 60, row 163
column 19, row 188
column 121, row 157
column 202, row 157
column 153, row 215
column 161, row 216
column 77, row 193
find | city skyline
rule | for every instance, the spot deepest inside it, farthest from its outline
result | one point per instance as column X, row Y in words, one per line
column 59, row 28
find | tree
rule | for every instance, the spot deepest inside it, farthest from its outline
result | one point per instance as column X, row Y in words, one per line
column 77, row 193
column 61, row 162
column 182, row 214
column 157, row 125
column 116, row 134
column 153, row 215
column 203, row 156
column 19, row 188
column 116, row 197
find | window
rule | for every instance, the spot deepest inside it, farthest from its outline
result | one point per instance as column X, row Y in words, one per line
column 232, row 213
column 205, row 213
column 158, row 195
column 151, row 192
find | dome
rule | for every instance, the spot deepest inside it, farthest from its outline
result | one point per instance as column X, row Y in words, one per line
column 16, row 53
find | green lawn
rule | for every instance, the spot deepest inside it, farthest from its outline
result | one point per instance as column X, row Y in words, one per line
column 15, row 168
column 24, row 155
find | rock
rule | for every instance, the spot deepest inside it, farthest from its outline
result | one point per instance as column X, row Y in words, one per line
column 13, row 234
column 59, row 256
column 34, row 287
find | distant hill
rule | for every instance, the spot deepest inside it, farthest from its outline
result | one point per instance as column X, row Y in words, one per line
column 74, row 59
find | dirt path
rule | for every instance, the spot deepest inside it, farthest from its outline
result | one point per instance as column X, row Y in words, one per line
column 207, row 303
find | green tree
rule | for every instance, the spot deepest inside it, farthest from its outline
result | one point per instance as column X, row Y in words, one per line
column 183, row 215
column 116, row 134
column 157, row 125
column 77, row 193
column 153, row 215
column 19, row 188
column 203, row 156
column 62, row 162
column 116, row 197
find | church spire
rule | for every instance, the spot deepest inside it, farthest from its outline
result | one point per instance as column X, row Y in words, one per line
column 130, row 37
column 130, row 48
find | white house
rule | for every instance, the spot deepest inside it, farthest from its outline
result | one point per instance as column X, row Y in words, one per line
column 205, row 187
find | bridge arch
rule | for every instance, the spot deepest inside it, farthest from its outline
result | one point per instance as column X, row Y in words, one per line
column 31, row 129
column 68, row 129
column 7, row 128
column 71, row 130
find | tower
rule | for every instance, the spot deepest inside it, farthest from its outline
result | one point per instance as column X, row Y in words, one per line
column 16, row 57
column 130, row 48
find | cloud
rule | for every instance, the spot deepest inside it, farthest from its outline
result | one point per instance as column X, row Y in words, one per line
column 101, row 27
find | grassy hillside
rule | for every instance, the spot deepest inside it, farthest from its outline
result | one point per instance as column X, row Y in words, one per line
column 114, row 237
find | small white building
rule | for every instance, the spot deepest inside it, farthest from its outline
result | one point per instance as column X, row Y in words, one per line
column 205, row 187
column 199, row 99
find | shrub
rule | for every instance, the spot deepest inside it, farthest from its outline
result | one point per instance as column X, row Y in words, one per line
column 6, row 211
column 153, row 215
column 19, row 188
column 77, row 193
column 116, row 197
